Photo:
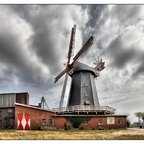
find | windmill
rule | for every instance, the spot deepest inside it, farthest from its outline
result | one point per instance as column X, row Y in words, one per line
column 82, row 90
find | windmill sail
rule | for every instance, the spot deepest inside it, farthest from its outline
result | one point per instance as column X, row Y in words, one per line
column 84, row 49
column 63, row 91
column 80, row 53
column 71, row 46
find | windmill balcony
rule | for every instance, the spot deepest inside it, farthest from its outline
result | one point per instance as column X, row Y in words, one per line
column 85, row 109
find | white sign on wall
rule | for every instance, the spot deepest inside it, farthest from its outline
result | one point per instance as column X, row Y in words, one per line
column 110, row 120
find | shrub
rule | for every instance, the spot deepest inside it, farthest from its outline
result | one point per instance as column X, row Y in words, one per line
column 128, row 123
column 66, row 127
column 81, row 128
column 100, row 128
column 77, row 121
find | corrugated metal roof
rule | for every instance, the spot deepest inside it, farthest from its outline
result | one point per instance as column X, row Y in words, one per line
column 7, row 100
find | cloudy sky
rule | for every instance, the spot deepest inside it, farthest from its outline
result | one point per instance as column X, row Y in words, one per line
column 34, row 42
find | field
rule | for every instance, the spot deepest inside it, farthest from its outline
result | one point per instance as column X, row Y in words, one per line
column 123, row 134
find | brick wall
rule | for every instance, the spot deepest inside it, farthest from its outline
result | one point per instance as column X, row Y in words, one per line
column 36, row 115
column 93, row 122
column 119, row 122
column 59, row 122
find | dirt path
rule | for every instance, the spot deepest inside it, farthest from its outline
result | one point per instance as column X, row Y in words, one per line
column 136, row 129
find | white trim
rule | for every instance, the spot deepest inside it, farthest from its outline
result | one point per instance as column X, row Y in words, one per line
column 67, row 115
column 28, row 106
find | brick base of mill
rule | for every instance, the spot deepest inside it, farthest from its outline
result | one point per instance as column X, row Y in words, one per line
column 32, row 118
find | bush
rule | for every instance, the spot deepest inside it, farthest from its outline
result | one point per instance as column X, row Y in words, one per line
column 66, row 127
column 100, row 128
column 77, row 122
column 140, row 126
column 128, row 123
column 81, row 128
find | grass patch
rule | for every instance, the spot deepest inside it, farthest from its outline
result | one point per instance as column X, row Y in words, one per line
column 74, row 134
column 129, row 137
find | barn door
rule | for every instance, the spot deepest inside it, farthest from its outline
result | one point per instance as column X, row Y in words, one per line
column 23, row 121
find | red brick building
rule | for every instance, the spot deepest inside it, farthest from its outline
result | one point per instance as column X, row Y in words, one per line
column 16, row 113
column 38, row 117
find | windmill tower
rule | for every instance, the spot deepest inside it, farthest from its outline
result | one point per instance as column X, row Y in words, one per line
column 83, row 94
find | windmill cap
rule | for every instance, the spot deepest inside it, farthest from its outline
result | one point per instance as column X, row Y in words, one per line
column 83, row 67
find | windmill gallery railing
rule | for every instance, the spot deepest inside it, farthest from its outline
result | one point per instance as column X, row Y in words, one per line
column 84, row 108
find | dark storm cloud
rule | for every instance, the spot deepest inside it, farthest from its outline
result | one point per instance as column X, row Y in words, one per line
column 117, row 51
column 22, row 10
column 16, row 62
column 94, row 12
column 37, row 59
column 120, row 55
column 125, row 13
column 43, row 45
column 8, row 48
column 41, row 42
column 140, row 69
column 51, row 34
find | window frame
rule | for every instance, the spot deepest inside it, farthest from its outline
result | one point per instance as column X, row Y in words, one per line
column 43, row 123
column 120, row 121
column 50, row 122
